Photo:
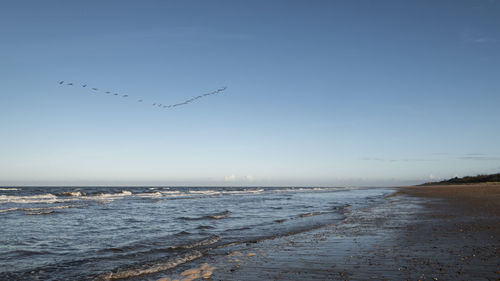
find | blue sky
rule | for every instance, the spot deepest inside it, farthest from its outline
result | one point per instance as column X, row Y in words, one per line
column 319, row 92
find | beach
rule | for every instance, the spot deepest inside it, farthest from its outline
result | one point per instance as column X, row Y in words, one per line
column 417, row 233
column 187, row 233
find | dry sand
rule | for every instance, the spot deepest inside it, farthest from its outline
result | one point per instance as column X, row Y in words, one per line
column 475, row 197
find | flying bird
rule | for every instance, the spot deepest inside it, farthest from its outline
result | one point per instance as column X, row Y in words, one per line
column 187, row 101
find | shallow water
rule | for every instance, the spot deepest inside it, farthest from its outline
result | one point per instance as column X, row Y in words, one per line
column 104, row 233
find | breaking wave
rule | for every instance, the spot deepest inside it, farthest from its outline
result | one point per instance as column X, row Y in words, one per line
column 42, row 198
column 53, row 208
column 153, row 268
column 204, row 242
column 70, row 193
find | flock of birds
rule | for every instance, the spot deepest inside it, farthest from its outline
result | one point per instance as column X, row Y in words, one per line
column 62, row 83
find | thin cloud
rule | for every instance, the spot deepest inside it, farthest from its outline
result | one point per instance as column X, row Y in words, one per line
column 480, row 158
column 398, row 160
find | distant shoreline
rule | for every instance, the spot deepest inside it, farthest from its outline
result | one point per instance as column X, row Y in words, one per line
column 482, row 197
column 492, row 178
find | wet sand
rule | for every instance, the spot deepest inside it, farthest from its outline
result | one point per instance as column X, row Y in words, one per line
column 417, row 233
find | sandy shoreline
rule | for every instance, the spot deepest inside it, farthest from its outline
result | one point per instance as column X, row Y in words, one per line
column 476, row 197
column 419, row 233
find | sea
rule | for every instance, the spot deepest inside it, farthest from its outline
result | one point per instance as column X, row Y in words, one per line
column 136, row 233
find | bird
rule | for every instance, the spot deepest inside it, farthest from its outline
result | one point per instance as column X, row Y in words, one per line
column 70, row 84
column 61, row 82
column 95, row 89
column 125, row 96
column 154, row 104
column 139, row 101
column 115, row 94
column 108, row 92
column 84, row 85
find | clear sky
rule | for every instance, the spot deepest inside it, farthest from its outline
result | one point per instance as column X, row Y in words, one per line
column 319, row 92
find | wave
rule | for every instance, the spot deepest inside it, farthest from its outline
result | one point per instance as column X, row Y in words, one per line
column 191, row 193
column 67, row 196
column 205, row 227
column 191, row 218
column 219, row 216
column 39, row 213
column 204, row 192
column 204, row 242
column 149, row 194
column 154, row 268
column 9, row 188
column 54, row 208
column 70, row 193
column 41, row 198
column 8, row 210
column 305, row 215
column 109, row 196
column 315, row 189
column 216, row 216
column 246, row 191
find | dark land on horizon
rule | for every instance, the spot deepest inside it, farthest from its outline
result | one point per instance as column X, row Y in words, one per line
column 492, row 178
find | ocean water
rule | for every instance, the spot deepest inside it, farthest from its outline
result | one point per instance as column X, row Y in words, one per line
column 133, row 233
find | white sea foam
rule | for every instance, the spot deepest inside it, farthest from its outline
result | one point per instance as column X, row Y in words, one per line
column 150, row 194
column 162, row 266
column 171, row 192
column 71, row 193
column 9, row 188
column 174, row 193
column 204, row 192
column 302, row 189
column 247, row 191
column 41, row 198
column 109, row 196
column 204, row 242
column 54, row 208
column 8, row 210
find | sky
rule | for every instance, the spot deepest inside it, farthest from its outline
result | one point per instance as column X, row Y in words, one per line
column 319, row 93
